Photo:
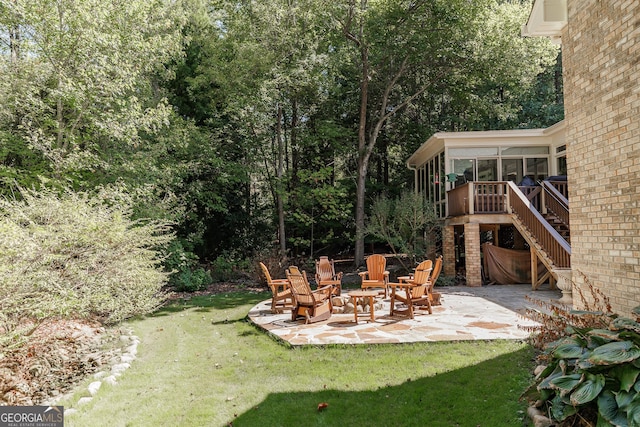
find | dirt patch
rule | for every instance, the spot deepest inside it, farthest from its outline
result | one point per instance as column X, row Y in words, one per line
column 218, row 288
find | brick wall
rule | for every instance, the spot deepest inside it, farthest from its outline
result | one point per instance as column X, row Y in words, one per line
column 449, row 251
column 473, row 261
column 601, row 59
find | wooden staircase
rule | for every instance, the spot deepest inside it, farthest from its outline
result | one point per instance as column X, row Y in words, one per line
column 558, row 225
column 547, row 232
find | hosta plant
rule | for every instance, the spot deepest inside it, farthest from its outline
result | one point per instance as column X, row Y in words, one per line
column 592, row 374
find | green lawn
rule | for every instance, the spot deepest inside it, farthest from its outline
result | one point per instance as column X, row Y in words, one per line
column 201, row 363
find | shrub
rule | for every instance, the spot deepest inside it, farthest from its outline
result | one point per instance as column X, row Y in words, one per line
column 76, row 255
column 230, row 266
column 185, row 273
column 445, row 281
column 592, row 365
column 407, row 224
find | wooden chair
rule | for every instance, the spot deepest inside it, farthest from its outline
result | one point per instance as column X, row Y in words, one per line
column 314, row 306
column 376, row 275
column 326, row 275
column 281, row 298
column 435, row 296
column 415, row 291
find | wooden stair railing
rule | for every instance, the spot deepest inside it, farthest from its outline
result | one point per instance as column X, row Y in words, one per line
column 552, row 247
column 524, row 204
column 555, row 202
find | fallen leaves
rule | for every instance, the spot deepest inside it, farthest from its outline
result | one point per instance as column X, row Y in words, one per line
column 57, row 355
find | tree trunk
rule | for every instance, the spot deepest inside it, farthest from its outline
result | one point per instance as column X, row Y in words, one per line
column 367, row 141
column 279, row 187
column 363, row 152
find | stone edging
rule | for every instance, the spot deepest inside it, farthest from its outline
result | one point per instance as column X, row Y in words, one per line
column 124, row 354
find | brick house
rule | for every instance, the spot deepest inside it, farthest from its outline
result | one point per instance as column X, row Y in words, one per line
column 601, row 69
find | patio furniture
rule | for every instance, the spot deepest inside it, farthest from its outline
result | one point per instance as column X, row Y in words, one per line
column 376, row 275
column 363, row 294
column 314, row 306
column 326, row 275
column 281, row 297
column 434, row 297
column 412, row 292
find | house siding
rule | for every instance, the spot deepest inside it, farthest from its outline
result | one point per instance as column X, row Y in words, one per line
column 601, row 59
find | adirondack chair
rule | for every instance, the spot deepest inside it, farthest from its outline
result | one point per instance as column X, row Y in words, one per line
column 281, row 297
column 434, row 297
column 326, row 275
column 314, row 306
column 376, row 275
column 414, row 292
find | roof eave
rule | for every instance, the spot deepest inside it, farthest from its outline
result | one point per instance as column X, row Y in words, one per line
column 547, row 19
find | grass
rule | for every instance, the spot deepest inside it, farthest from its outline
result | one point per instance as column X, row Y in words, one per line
column 201, row 363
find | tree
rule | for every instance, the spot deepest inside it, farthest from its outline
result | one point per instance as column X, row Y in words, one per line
column 407, row 224
column 78, row 75
column 274, row 50
column 402, row 50
column 410, row 52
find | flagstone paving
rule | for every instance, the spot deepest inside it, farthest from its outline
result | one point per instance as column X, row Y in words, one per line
column 466, row 313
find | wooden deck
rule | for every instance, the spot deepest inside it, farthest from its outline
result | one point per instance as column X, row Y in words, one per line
column 501, row 202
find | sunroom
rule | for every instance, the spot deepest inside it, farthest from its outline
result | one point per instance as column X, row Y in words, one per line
column 466, row 176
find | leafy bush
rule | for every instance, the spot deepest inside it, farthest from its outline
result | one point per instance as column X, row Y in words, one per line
column 445, row 281
column 230, row 266
column 76, row 255
column 185, row 273
column 592, row 372
column 403, row 224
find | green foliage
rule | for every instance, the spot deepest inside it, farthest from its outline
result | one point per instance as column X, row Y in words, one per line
column 229, row 266
column 592, row 369
column 507, row 71
column 78, row 78
column 446, row 281
column 76, row 255
column 407, row 224
column 185, row 273
column 318, row 209
column 19, row 164
column 178, row 102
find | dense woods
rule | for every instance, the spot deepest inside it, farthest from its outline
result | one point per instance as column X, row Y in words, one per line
column 255, row 129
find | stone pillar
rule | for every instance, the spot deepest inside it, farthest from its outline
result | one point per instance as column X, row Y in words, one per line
column 449, row 251
column 472, row 254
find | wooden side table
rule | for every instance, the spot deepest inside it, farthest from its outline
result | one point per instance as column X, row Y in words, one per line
column 363, row 294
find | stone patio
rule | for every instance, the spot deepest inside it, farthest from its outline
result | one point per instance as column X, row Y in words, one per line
column 466, row 313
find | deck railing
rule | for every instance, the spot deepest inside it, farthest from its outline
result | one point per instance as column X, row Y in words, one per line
column 555, row 201
column 486, row 197
column 561, row 186
column 556, row 248
column 495, row 197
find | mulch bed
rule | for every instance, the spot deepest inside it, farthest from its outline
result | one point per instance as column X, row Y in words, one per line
column 56, row 356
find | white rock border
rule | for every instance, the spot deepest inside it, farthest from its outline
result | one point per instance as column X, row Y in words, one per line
column 116, row 366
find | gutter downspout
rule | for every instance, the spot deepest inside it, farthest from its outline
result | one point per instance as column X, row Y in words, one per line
column 415, row 177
